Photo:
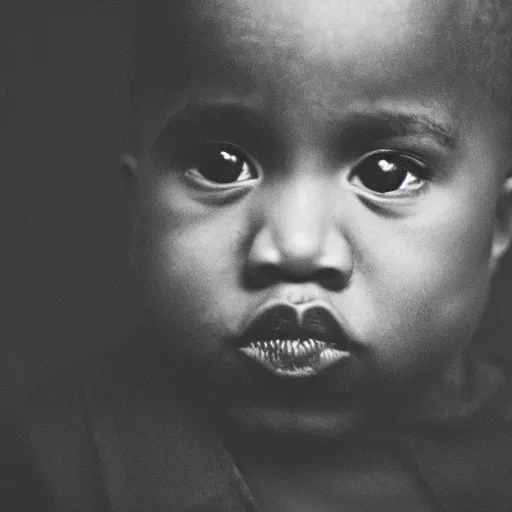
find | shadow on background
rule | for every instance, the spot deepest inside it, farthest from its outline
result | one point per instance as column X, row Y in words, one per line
column 66, row 226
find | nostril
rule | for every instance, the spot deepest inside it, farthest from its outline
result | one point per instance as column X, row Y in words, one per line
column 331, row 278
column 328, row 261
column 262, row 275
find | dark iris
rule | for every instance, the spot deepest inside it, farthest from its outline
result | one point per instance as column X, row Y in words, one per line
column 223, row 164
column 388, row 172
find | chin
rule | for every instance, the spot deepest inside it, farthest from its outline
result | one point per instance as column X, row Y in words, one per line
column 294, row 422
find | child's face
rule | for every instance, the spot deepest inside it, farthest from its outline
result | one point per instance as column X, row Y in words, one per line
column 331, row 158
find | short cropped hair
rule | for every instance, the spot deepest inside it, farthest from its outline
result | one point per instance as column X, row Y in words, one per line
column 490, row 32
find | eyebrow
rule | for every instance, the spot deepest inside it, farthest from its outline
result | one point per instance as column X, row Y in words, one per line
column 355, row 125
column 218, row 118
column 386, row 123
column 195, row 112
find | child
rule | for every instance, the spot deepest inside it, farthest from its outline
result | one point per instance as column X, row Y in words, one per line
column 323, row 196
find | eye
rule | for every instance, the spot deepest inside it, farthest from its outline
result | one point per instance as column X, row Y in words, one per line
column 387, row 172
column 221, row 163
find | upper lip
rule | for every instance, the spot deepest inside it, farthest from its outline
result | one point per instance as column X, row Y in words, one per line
column 281, row 321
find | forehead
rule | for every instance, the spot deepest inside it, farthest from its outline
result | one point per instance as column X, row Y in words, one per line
column 302, row 30
column 349, row 36
column 301, row 53
column 312, row 25
column 298, row 41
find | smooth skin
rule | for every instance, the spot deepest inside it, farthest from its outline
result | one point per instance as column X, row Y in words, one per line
column 303, row 95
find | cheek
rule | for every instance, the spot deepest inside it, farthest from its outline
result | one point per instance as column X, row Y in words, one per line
column 427, row 303
column 194, row 265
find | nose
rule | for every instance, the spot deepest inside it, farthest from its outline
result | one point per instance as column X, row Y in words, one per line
column 300, row 239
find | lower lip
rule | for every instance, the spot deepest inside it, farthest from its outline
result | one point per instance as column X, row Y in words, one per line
column 294, row 358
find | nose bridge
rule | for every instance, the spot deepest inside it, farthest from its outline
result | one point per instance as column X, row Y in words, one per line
column 299, row 216
column 299, row 238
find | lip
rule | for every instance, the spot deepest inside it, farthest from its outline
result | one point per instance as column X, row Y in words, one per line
column 296, row 342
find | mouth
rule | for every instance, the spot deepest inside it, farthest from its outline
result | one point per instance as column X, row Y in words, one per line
column 294, row 358
column 296, row 343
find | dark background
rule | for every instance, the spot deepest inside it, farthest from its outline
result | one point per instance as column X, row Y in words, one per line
column 65, row 230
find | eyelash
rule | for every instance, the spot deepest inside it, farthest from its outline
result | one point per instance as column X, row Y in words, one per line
column 207, row 155
column 423, row 172
column 231, row 154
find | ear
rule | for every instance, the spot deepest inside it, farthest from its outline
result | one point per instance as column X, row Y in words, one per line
column 129, row 165
column 503, row 224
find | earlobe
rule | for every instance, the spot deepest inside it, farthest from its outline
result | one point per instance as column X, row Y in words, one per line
column 503, row 224
column 129, row 165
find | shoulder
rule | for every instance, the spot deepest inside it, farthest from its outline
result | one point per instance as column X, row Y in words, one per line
column 58, row 402
column 113, row 432
column 467, row 465
column 65, row 395
column 48, row 445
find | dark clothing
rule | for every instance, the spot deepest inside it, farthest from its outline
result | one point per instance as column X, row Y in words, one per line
column 114, row 438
